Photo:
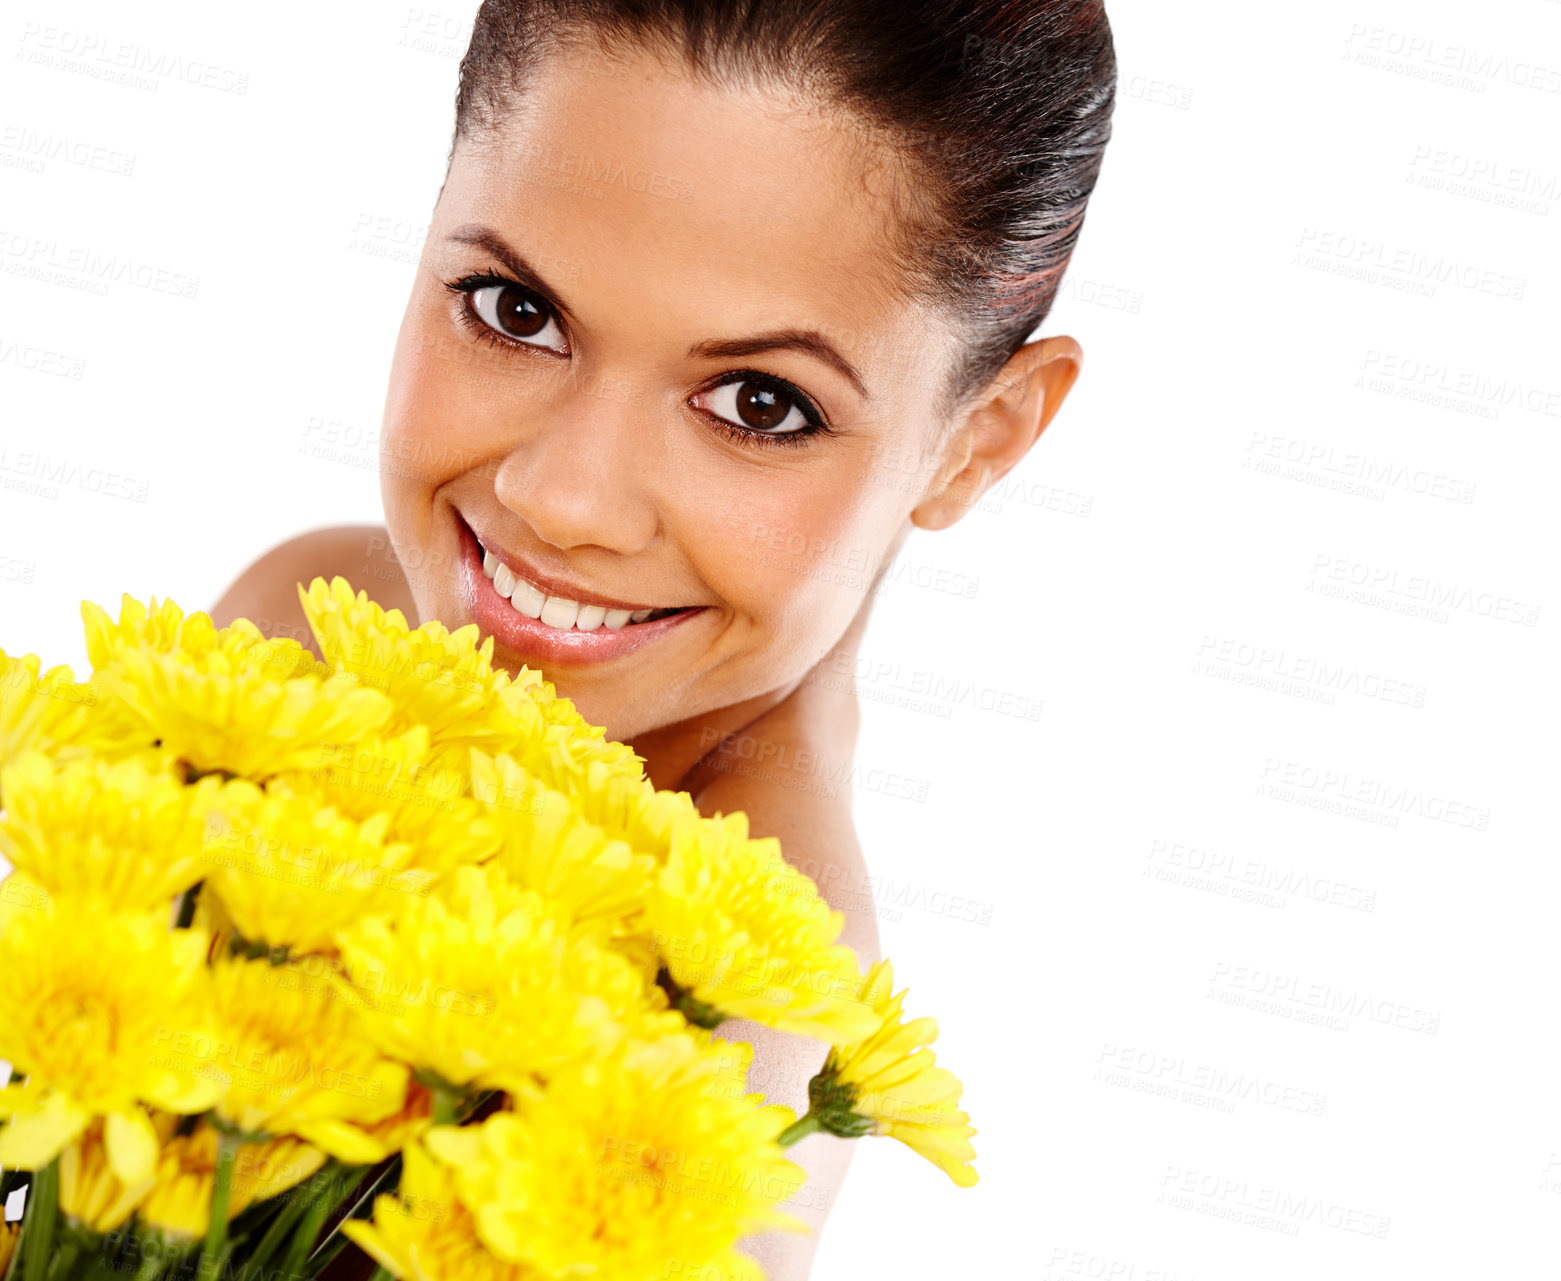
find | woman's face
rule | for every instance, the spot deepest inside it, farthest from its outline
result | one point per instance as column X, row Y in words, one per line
column 655, row 359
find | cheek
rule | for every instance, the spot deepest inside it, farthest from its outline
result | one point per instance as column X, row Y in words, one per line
column 795, row 561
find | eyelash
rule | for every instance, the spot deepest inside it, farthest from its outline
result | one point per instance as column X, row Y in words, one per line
column 817, row 424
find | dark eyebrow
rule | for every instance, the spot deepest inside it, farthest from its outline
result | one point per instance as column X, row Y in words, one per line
column 805, row 340
column 474, row 233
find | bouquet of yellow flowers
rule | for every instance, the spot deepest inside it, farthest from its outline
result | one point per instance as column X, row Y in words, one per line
column 396, row 949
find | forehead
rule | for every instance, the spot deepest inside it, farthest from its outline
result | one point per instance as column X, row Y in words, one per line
column 714, row 210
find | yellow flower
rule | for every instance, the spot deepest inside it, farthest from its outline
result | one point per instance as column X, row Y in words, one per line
column 424, row 1233
column 446, row 680
column 91, row 1196
column 125, row 835
column 52, row 714
column 23, row 705
column 441, row 679
column 179, row 1201
column 613, row 795
column 95, row 1009
column 650, row 1162
column 549, row 848
column 394, row 1132
column 10, row 1233
column 889, row 1084
column 427, row 808
column 486, row 983
column 744, row 934
column 154, row 626
column 290, row 874
column 226, row 699
column 298, row 1060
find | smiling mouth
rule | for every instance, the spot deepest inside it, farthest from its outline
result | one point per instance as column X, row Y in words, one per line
column 560, row 612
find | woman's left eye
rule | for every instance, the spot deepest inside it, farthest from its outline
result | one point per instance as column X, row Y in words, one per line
column 758, row 407
column 515, row 312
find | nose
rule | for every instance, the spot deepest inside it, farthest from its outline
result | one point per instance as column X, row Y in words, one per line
column 582, row 476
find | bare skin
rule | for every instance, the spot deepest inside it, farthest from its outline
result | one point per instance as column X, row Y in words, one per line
column 594, row 446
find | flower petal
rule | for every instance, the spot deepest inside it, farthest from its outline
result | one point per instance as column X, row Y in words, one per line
column 34, row 1138
column 131, row 1143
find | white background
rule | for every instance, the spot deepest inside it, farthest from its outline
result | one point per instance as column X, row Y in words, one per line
column 1317, row 296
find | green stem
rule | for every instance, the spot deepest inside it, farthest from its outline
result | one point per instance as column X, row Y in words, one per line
column 389, row 1172
column 799, row 1129
column 64, row 1259
column 447, row 1103
column 683, row 1001
column 382, row 1273
column 217, row 1230
column 151, row 1266
column 43, row 1199
column 316, row 1189
column 333, row 1246
column 303, row 1239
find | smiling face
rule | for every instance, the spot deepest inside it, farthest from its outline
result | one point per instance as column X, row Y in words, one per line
column 658, row 357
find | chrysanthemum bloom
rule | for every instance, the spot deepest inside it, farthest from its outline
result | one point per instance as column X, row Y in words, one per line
column 100, row 1012
column 178, row 1204
column 889, row 1084
column 484, row 983
column 548, row 847
column 745, row 934
column 651, row 1162
column 436, row 677
column 427, row 808
column 446, row 680
column 424, row 1233
column 22, row 705
column 227, row 699
column 616, row 797
column 126, row 835
column 51, row 713
column 91, row 1196
column 298, row 1059
column 290, row 874
column 155, row 626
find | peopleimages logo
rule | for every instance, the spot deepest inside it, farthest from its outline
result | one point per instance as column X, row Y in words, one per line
column 1400, row 266
column 1282, row 779
column 1333, row 575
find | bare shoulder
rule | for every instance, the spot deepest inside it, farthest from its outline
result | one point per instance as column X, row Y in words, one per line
column 266, row 592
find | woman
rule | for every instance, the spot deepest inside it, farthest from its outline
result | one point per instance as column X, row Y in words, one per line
column 718, row 301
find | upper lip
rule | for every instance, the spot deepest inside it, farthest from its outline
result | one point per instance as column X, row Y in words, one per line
column 552, row 586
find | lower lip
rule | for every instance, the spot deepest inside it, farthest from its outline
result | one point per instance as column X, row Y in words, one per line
column 530, row 638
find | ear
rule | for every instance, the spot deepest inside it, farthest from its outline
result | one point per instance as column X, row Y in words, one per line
column 998, row 430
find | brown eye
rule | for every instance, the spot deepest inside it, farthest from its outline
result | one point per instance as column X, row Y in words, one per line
column 762, row 408
column 757, row 405
column 516, row 312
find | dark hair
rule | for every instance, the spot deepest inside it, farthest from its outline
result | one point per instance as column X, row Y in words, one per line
column 1002, row 109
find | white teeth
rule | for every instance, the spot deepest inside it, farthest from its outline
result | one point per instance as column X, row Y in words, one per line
column 560, row 613
column 527, row 599
column 555, row 611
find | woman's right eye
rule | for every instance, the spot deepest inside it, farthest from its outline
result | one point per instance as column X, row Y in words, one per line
column 515, row 312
